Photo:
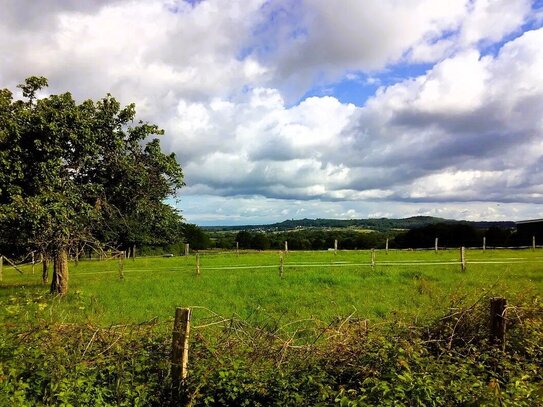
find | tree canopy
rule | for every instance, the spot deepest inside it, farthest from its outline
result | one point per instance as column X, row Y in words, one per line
column 196, row 237
column 81, row 173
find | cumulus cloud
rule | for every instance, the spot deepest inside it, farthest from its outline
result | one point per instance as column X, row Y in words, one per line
column 323, row 39
column 473, row 121
column 226, row 81
column 469, row 129
column 481, row 21
column 261, row 146
column 152, row 52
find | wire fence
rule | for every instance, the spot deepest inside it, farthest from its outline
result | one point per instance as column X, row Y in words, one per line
column 198, row 262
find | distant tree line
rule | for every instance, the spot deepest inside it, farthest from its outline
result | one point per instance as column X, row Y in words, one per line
column 379, row 224
column 310, row 239
column 456, row 235
column 449, row 235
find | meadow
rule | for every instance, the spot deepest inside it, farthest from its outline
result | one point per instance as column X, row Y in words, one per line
column 333, row 330
column 403, row 285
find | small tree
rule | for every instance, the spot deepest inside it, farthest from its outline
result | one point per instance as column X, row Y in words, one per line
column 72, row 174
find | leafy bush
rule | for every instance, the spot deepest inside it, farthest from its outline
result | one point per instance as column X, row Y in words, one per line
column 448, row 362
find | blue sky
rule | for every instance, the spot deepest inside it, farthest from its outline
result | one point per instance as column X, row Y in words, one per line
column 356, row 87
column 289, row 109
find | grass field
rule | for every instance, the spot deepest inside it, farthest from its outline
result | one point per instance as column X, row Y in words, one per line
column 404, row 285
column 259, row 339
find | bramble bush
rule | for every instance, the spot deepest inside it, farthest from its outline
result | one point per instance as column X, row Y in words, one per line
column 447, row 362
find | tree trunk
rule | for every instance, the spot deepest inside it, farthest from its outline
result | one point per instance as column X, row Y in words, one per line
column 59, row 283
column 45, row 269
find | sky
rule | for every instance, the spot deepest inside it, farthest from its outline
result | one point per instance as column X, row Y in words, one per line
column 288, row 109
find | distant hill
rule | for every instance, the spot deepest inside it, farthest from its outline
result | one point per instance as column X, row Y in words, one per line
column 381, row 224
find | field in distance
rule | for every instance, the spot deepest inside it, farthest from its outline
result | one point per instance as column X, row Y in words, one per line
column 405, row 285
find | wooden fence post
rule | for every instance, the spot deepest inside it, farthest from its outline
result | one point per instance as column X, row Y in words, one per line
column 463, row 258
column 237, row 248
column 121, row 265
column 1, row 267
column 33, row 263
column 533, row 243
column 373, row 259
column 335, row 246
column 187, row 249
column 484, row 244
column 180, row 350
column 286, row 246
column 435, row 244
column 281, row 268
column 386, row 246
column 197, row 264
column 498, row 321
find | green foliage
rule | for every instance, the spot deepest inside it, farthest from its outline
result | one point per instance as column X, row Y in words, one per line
column 196, row 237
column 309, row 239
column 74, row 173
column 450, row 235
column 32, row 85
column 318, row 236
column 76, row 365
column 283, row 341
column 243, row 364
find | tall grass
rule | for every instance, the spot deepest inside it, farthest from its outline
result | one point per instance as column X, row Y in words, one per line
column 320, row 285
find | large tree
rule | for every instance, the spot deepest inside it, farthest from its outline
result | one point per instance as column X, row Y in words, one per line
column 81, row 173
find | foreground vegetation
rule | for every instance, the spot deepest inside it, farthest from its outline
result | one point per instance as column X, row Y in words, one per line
column 446, row 362
column 331, row 331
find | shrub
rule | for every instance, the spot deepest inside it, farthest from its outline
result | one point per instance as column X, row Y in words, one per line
column 448, row 362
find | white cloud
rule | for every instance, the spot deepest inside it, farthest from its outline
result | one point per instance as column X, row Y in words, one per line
column 469, row 127
column 441, row 90
column 467, row 130
column 153, row 52
column 222, row 80
column 480, row 21
column 491, row 20
column 322, row 39
column 212, row 210
column 259, row 145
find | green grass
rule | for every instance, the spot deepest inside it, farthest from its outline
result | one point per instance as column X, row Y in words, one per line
column 317, row 285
